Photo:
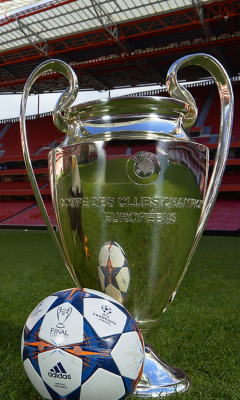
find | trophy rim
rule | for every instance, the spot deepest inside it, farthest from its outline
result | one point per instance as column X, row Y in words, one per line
column 127, row 105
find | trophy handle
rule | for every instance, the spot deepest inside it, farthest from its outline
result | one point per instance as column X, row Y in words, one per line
column 66, row 99
column 227, row 103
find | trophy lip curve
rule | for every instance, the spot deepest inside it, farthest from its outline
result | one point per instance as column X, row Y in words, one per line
column 124, row 111
column 164, row 115
column 130, row 104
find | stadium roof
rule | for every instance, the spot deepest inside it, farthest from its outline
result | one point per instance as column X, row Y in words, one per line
column 115, row 43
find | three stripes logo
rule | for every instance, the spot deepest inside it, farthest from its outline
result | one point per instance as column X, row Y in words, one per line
column 58, row 371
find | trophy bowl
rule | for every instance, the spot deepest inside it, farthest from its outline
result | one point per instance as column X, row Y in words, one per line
column 134, row 188
column 130, row 196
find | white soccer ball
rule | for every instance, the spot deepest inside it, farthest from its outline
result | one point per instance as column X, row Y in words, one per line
column 114, row 271
column 81, row 344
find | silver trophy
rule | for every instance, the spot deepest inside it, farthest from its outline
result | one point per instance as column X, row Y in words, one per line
column 62, row 315
column 130, row 196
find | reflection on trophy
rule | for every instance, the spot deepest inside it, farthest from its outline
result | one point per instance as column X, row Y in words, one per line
column 114, row 271
column 128, row 179
column 75, row 194
column 62, row 315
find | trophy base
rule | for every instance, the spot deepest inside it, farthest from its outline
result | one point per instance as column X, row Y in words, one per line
column 160, row 379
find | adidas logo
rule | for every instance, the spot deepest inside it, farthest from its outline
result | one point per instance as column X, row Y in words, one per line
column 58, row 371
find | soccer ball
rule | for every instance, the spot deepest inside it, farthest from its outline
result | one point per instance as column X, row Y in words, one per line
column 81, row 344
column 113, row 271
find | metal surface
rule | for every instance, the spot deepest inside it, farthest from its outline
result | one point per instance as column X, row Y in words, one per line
column 148, row 202
column 129, row 195
column 65, row 100
column 160, row 379
column 224, row 138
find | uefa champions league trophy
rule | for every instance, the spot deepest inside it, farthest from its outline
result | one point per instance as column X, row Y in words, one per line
column 62, row 315
column 130, row 196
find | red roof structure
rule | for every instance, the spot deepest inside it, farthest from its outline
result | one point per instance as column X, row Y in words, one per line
column 114, row 44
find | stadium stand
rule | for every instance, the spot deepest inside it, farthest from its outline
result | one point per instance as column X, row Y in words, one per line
column 114, row 150
column 225, row 216
column 22, row 188
column 18, row 205
column 236, row 125
column 43, row 134
column 29, row 216
column 213, row 116
column 12, row 208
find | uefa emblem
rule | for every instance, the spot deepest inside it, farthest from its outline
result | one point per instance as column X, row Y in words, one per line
column 143, row 168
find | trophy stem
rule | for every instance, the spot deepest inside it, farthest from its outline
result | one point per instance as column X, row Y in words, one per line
column 160, row 379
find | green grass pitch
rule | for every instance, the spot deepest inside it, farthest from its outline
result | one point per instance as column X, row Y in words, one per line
column 199, row 333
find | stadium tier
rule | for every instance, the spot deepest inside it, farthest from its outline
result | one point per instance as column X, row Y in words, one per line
column 236, row 124
column 22, row 188
column 225, row 216
column 213, row 115
column 12, row 208
column 116, row 150
column 42, row 135
column 200, row 95
column 17, row 203
column 24, row 214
